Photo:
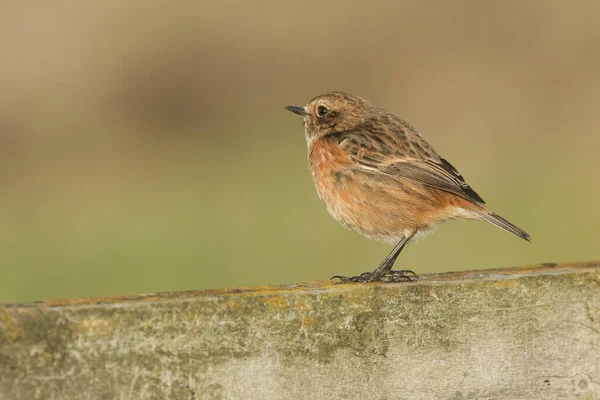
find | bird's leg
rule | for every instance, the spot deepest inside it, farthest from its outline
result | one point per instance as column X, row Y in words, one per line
column 384, row 271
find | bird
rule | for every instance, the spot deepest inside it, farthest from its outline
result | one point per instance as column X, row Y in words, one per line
column 378, row 176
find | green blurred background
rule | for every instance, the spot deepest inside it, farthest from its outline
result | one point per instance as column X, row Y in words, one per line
column 144, row 145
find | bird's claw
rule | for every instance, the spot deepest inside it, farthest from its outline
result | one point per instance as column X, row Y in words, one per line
column 400, row 275
column 390, row 276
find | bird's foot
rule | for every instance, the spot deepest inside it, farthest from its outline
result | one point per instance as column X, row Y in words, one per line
column 363, row 278
column 390, row 276
column 400, row 275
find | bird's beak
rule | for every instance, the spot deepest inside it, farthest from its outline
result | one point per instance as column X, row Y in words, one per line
column 296, row 110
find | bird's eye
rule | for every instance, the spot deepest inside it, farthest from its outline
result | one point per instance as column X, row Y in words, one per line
column 321, row 111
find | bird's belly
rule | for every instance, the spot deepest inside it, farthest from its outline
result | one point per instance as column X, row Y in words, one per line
column 377, row 206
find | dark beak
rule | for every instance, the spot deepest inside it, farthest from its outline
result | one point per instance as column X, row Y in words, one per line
column 296, row 110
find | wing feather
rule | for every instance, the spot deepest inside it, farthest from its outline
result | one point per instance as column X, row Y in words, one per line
column 430, row 170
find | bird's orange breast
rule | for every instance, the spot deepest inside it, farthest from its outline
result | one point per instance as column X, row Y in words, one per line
column 330, row 165
column 352, row 197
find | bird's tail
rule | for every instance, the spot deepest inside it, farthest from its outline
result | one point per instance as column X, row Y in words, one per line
column 500, row 222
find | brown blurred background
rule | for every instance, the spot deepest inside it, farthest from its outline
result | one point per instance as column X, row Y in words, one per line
column 144, row 145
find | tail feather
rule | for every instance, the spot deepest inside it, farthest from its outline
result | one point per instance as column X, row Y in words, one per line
column 500, row 222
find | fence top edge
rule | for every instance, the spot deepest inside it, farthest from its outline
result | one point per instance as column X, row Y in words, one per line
column 321, row 286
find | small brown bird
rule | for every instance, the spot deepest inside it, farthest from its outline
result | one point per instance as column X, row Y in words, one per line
column 378, row 176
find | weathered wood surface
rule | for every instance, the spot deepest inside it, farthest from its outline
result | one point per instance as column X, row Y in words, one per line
column 522, row 333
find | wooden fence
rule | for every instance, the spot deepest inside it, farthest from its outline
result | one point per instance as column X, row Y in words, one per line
column 520, row 333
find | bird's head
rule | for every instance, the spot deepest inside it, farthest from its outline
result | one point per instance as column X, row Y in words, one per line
column 332, row 112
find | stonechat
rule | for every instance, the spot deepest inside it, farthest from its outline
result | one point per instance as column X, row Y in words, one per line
column 378, row 176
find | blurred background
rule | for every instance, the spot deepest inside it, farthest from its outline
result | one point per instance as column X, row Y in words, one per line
column 144, row 145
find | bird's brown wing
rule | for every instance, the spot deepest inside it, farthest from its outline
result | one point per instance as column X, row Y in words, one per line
column 442, row 176
column 384, row 153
